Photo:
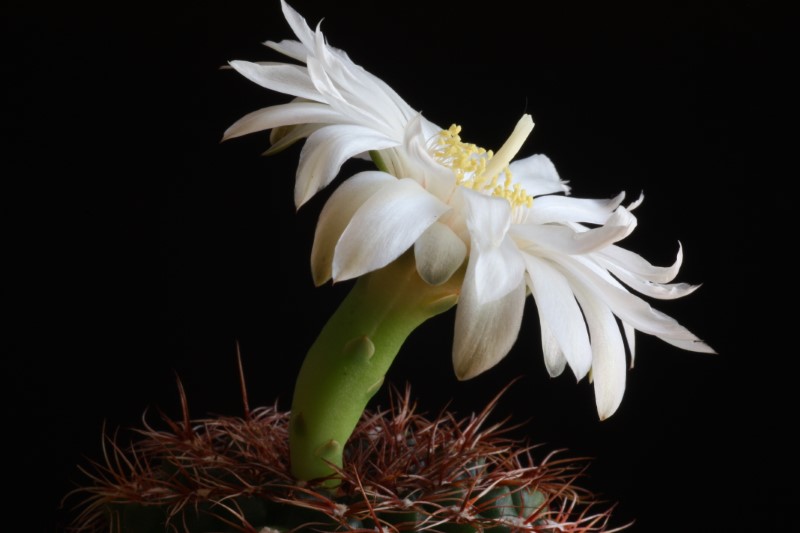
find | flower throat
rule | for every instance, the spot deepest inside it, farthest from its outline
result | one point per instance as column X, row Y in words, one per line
column 483, row 170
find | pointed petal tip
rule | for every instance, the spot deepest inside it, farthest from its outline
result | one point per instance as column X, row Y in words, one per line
column 606, row 412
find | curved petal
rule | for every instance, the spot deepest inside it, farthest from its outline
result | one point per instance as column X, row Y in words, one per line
column 336, row 215
column 438, row 253
column 565, row 240
column 355, row 87
column 570, row 209
column 282, row 115
column 299, row 25
column 662, row 291
column 290, row 48
column 608, row 353
column 498, row 267
column 554, row 359
column 559, row 310
column 384, row 227
column 484, row 333
column 279, row 77
column 622, row 259
column 326, row 150
column 537, row 175
column 628, row 307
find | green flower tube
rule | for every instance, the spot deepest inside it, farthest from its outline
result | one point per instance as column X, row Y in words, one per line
column 347, row 363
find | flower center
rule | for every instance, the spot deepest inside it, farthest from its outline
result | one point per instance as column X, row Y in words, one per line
column 483, row 170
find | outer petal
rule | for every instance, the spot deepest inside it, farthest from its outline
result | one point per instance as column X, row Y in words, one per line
column 282, row 115
column 537, row 175
column 326, row 150
column 279, row 77
column 484, row 333
column 554, row 359
column 559, row 310
column 291, row 48
column 439, row 253
column 498, row 265
column 356, row 86
column 634, row 263
column 336, row 215
column 608, row 353
column 565, row 240
column 356, row 111
column 299, row 25
column 384, row 227
column 570, row 209
column 630, row 308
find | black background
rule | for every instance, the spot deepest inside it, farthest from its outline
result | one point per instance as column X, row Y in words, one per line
column 138, row 247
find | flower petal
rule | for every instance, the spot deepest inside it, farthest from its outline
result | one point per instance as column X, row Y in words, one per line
column 537, row 175
column 291, row 48
column 565, row 240
column 628, row 307
column 326, row 150
column 623, row 259
column 439, row 253
column 554, row 359
column 282, row 115
column 484, row 333
column 384, row 227
column 608, row 353
column 298, row 24
column 279, row 77
column 497, row 263
column 336, row 215
column 558, row 309
column 570, row 209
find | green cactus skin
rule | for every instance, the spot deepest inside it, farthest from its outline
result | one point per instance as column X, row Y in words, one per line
column 346, row 365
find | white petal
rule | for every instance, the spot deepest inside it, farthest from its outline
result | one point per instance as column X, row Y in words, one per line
column 630, row 338
column 326, row 150
column 636, row 203
column 498, row 265
column 439, row 253
column 488, row 218
column 279, row 77
column 497, row 271
column 484, row 333
column 628, row 307
column 662, row 291
column 353, row 85
column 336, row 215
column 537, row 175
column 384, row 227
column 298, row 24
column 565, row 240
column 554, row 359
column 558, row 309
column 608, row 353
column 282, row 115
column 291, row 48
column 690, row 345
column 623, row 259
column 570, row 209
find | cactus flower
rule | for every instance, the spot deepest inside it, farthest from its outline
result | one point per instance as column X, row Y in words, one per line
column 511, row 222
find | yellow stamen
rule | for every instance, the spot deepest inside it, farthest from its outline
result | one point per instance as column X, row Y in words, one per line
column 481, row 170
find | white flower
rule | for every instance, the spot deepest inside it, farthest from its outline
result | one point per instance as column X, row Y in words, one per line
column 454, row 202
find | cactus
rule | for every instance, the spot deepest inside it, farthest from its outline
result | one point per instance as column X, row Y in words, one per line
column 402, row 472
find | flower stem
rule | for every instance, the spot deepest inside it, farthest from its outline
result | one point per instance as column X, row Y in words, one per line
column 346, row 365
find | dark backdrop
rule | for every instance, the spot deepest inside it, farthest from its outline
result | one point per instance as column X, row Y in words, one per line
column 140, row 248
